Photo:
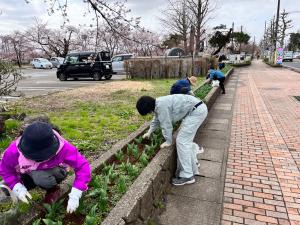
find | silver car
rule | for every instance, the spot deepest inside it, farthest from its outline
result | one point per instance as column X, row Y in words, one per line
column 57, row 61
column 41, row 63
column 118, row 62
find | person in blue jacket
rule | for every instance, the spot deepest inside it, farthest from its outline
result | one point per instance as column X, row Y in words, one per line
column 214, row 74
column 183, row 86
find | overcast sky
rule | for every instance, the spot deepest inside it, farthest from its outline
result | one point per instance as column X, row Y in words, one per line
column 17, row 15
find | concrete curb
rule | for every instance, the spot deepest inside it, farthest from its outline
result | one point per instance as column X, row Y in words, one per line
column 141, row 202
column 291, row 68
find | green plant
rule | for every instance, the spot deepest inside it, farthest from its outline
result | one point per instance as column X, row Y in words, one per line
column 82, row 206
column 135, row 152
column 203, row 91
column 5, row 206
column 99, row 183
column 51, row 222
column 123, row 167
column 150, row 150
column 107, row 168
column 156, row 139
column 54, row 211
column 37, row 195
column 159, row 205
column 122, row 187
column 138, row 140
column 23, row 207
column 37, row 222
column 119, row 155
column 144, row 159
column 132, row 170
column 103, row 200
column 130, row 148
column 91, row 218
column 110, row 174
column 5, row 140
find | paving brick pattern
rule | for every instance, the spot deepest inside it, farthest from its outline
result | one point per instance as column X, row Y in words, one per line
column 262, row 183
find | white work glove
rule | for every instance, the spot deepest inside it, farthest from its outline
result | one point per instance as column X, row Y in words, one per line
column 21, row 192
column 73, row 202
column 165, row 145
column 147, row 135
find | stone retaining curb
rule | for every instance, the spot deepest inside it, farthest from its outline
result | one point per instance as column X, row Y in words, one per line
column 143, row 199
column 291, row 68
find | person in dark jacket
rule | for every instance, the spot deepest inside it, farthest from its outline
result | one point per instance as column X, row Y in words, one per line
column 183, row 86
column 221, row 64
column 214, row 74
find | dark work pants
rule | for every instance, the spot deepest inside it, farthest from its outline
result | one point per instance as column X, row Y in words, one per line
column 42, row 178
column 221, row 80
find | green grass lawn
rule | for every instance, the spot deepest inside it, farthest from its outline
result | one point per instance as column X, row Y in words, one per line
column 92, row 123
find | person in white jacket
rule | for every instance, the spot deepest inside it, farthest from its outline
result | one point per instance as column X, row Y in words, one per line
column 167, row 110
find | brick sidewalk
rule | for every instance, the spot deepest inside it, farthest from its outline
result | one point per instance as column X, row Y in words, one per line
column 262, row 183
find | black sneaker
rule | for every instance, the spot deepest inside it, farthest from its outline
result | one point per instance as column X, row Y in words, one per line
column 182, row 181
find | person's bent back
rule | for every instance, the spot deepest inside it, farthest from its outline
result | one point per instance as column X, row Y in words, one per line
column 183, row 86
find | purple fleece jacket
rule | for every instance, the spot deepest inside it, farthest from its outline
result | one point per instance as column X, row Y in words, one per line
column 69, row 155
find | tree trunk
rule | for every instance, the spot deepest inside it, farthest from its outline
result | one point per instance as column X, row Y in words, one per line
column 198, row 25
column 185, row 46
column 192, row 40
column 2, row 124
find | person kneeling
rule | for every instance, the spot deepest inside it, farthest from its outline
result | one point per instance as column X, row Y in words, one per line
column 40, row 158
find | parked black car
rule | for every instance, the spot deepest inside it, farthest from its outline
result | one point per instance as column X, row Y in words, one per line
column 86, row 64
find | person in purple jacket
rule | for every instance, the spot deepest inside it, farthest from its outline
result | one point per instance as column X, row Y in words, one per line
column 39, row 158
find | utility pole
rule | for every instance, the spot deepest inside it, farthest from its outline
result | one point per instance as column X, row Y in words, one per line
column 276, row 26
column 232, row 45
column 265, row 39
column 253, row 48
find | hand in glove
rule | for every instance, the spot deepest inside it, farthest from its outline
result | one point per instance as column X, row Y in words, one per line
column 21, row 192
column 165, row 145
column 73, row 202
column 146, row 135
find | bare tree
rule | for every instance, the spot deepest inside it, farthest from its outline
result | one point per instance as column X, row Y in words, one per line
column 50, row 41
column 5, row 46
column 37, row 35
column 284, row 25
column 176, row 19
column 269, row 38
column 200, row 10
column 113, row 14
column 16, row 47
column 9, row 78
column 149, row 44
column 110, row 41
column 59, row 42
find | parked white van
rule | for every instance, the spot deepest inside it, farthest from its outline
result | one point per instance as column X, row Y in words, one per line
column 288, row 56
column 118, row 62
